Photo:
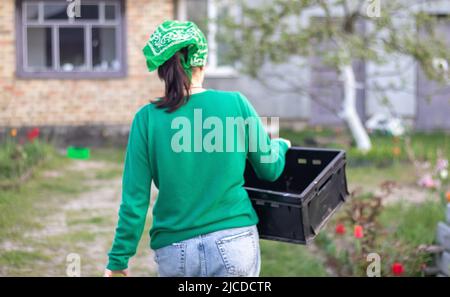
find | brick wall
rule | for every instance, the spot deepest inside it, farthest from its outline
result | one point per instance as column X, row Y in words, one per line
column 54, row 102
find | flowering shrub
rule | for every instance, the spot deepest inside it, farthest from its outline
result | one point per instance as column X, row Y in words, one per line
column 430, row 177
column 347, row 252
column 397, row 245
column 433, row 178
column 17, row 155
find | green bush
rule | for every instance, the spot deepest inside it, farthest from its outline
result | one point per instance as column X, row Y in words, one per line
column 16, row 159
column 386, row 149
column 378, row 156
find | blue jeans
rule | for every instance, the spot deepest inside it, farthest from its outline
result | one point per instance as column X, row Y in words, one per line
column 229, row 252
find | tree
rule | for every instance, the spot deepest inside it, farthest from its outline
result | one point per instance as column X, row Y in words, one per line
column 270, row 32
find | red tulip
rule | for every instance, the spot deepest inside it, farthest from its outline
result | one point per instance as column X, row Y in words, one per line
column 397, row 268
column 340, row 229
column 32, row 134
column 358, row 231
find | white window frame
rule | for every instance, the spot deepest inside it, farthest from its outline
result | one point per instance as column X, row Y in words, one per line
column 212, row 69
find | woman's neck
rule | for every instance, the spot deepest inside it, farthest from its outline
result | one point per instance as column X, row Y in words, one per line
column 197, row 90
column 196, row 87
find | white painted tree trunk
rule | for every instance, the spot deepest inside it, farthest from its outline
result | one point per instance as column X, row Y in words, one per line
column 349, row 113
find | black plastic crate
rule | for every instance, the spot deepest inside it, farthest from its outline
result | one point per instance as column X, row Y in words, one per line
column 297, row 205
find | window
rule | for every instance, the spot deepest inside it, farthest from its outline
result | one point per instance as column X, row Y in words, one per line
column 206, row 14
column 55, row 41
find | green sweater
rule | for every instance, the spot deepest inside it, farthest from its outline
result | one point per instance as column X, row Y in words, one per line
column 199, row 191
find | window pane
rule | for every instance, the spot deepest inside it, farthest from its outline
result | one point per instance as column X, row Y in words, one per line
column 32, row 12
column 39, row 48
column 197, row 12
column 89, row 12
column 71, row 49
column 55, row 11
column 104, row 51
column 59, row 12
column 110, row 12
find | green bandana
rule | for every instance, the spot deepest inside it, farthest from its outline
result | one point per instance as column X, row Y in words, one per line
column 172, row 36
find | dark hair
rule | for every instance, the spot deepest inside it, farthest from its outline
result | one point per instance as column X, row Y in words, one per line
column 176, row 82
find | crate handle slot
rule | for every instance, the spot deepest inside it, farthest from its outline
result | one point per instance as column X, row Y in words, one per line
column 322, row 187
column 302, row 161
column 317, row 162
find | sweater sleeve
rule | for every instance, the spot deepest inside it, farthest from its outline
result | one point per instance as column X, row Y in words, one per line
column 136, row 183
column 266, row 155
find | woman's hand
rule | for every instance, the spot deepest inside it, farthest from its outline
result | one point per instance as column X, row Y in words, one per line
column 110, row 273
column 287, row 141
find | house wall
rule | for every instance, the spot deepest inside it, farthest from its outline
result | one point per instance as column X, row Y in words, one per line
column 266, row 98
column 433, row 99
column 80, row 102
column 396, row 78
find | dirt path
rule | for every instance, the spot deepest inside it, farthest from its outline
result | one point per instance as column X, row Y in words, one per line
column 82, row 225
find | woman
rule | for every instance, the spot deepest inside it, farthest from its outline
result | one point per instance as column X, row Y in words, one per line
column 203, row 221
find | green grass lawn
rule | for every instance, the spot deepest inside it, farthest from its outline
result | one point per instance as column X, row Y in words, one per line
column 285, row 259
column 29, row 209
column 19, row 206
